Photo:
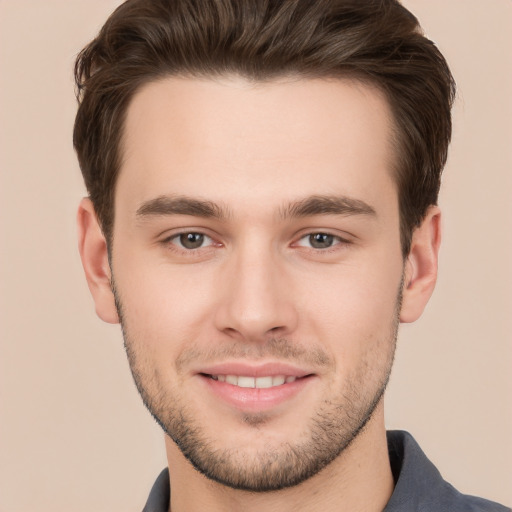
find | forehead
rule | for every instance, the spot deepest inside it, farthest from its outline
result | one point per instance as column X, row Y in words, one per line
column 231, row 140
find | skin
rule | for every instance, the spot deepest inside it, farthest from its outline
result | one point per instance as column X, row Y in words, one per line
column 257, row 291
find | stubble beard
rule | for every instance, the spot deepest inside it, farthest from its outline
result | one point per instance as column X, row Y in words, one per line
column 334, row 426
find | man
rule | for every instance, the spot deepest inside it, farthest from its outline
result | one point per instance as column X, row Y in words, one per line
column 263, row 180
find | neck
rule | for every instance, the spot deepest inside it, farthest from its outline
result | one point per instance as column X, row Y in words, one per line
column 359, row 479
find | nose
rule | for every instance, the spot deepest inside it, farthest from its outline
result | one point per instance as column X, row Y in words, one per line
column 256, row 302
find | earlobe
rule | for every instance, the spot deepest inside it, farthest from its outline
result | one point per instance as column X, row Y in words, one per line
column 420, row 273
column 93, row 252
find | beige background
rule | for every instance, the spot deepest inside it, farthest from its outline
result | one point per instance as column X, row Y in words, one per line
column 73, row 434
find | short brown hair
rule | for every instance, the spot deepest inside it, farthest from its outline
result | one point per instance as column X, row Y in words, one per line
column 376, row 41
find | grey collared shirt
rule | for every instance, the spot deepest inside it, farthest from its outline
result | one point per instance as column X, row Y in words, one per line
column 419, row 486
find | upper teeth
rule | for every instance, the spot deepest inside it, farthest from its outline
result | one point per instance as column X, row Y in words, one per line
column 243, row 381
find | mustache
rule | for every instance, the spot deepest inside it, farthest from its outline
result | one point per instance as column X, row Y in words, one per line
column 281, row 349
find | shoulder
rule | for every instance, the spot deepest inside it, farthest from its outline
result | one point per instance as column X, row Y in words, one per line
column 454, row 501
column 420, row 487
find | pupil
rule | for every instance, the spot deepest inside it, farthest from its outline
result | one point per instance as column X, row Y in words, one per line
column 191, row 240
column 321, row 240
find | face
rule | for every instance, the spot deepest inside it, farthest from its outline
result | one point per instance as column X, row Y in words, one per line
column 257, row 269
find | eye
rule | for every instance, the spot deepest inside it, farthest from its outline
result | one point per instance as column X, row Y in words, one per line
column 191, row 240
column 319, row 240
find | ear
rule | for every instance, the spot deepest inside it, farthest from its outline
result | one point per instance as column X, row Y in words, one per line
column 421, row 266
column 93, row 251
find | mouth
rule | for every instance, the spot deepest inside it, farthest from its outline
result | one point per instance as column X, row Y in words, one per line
column 246, row 381
column 256, row 389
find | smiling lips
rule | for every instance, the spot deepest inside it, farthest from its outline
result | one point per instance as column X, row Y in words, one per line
column 255, row 388
column 243, row 381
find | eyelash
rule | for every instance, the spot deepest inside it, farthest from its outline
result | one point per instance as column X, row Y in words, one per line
column 338, row 241
column 169, row 241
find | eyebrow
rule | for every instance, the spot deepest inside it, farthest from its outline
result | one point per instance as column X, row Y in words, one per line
column 327, row 205
column 309, row 206
column 181, row 205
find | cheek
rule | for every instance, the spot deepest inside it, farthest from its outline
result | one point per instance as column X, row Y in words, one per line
column 164, row 307
column 353, row 311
